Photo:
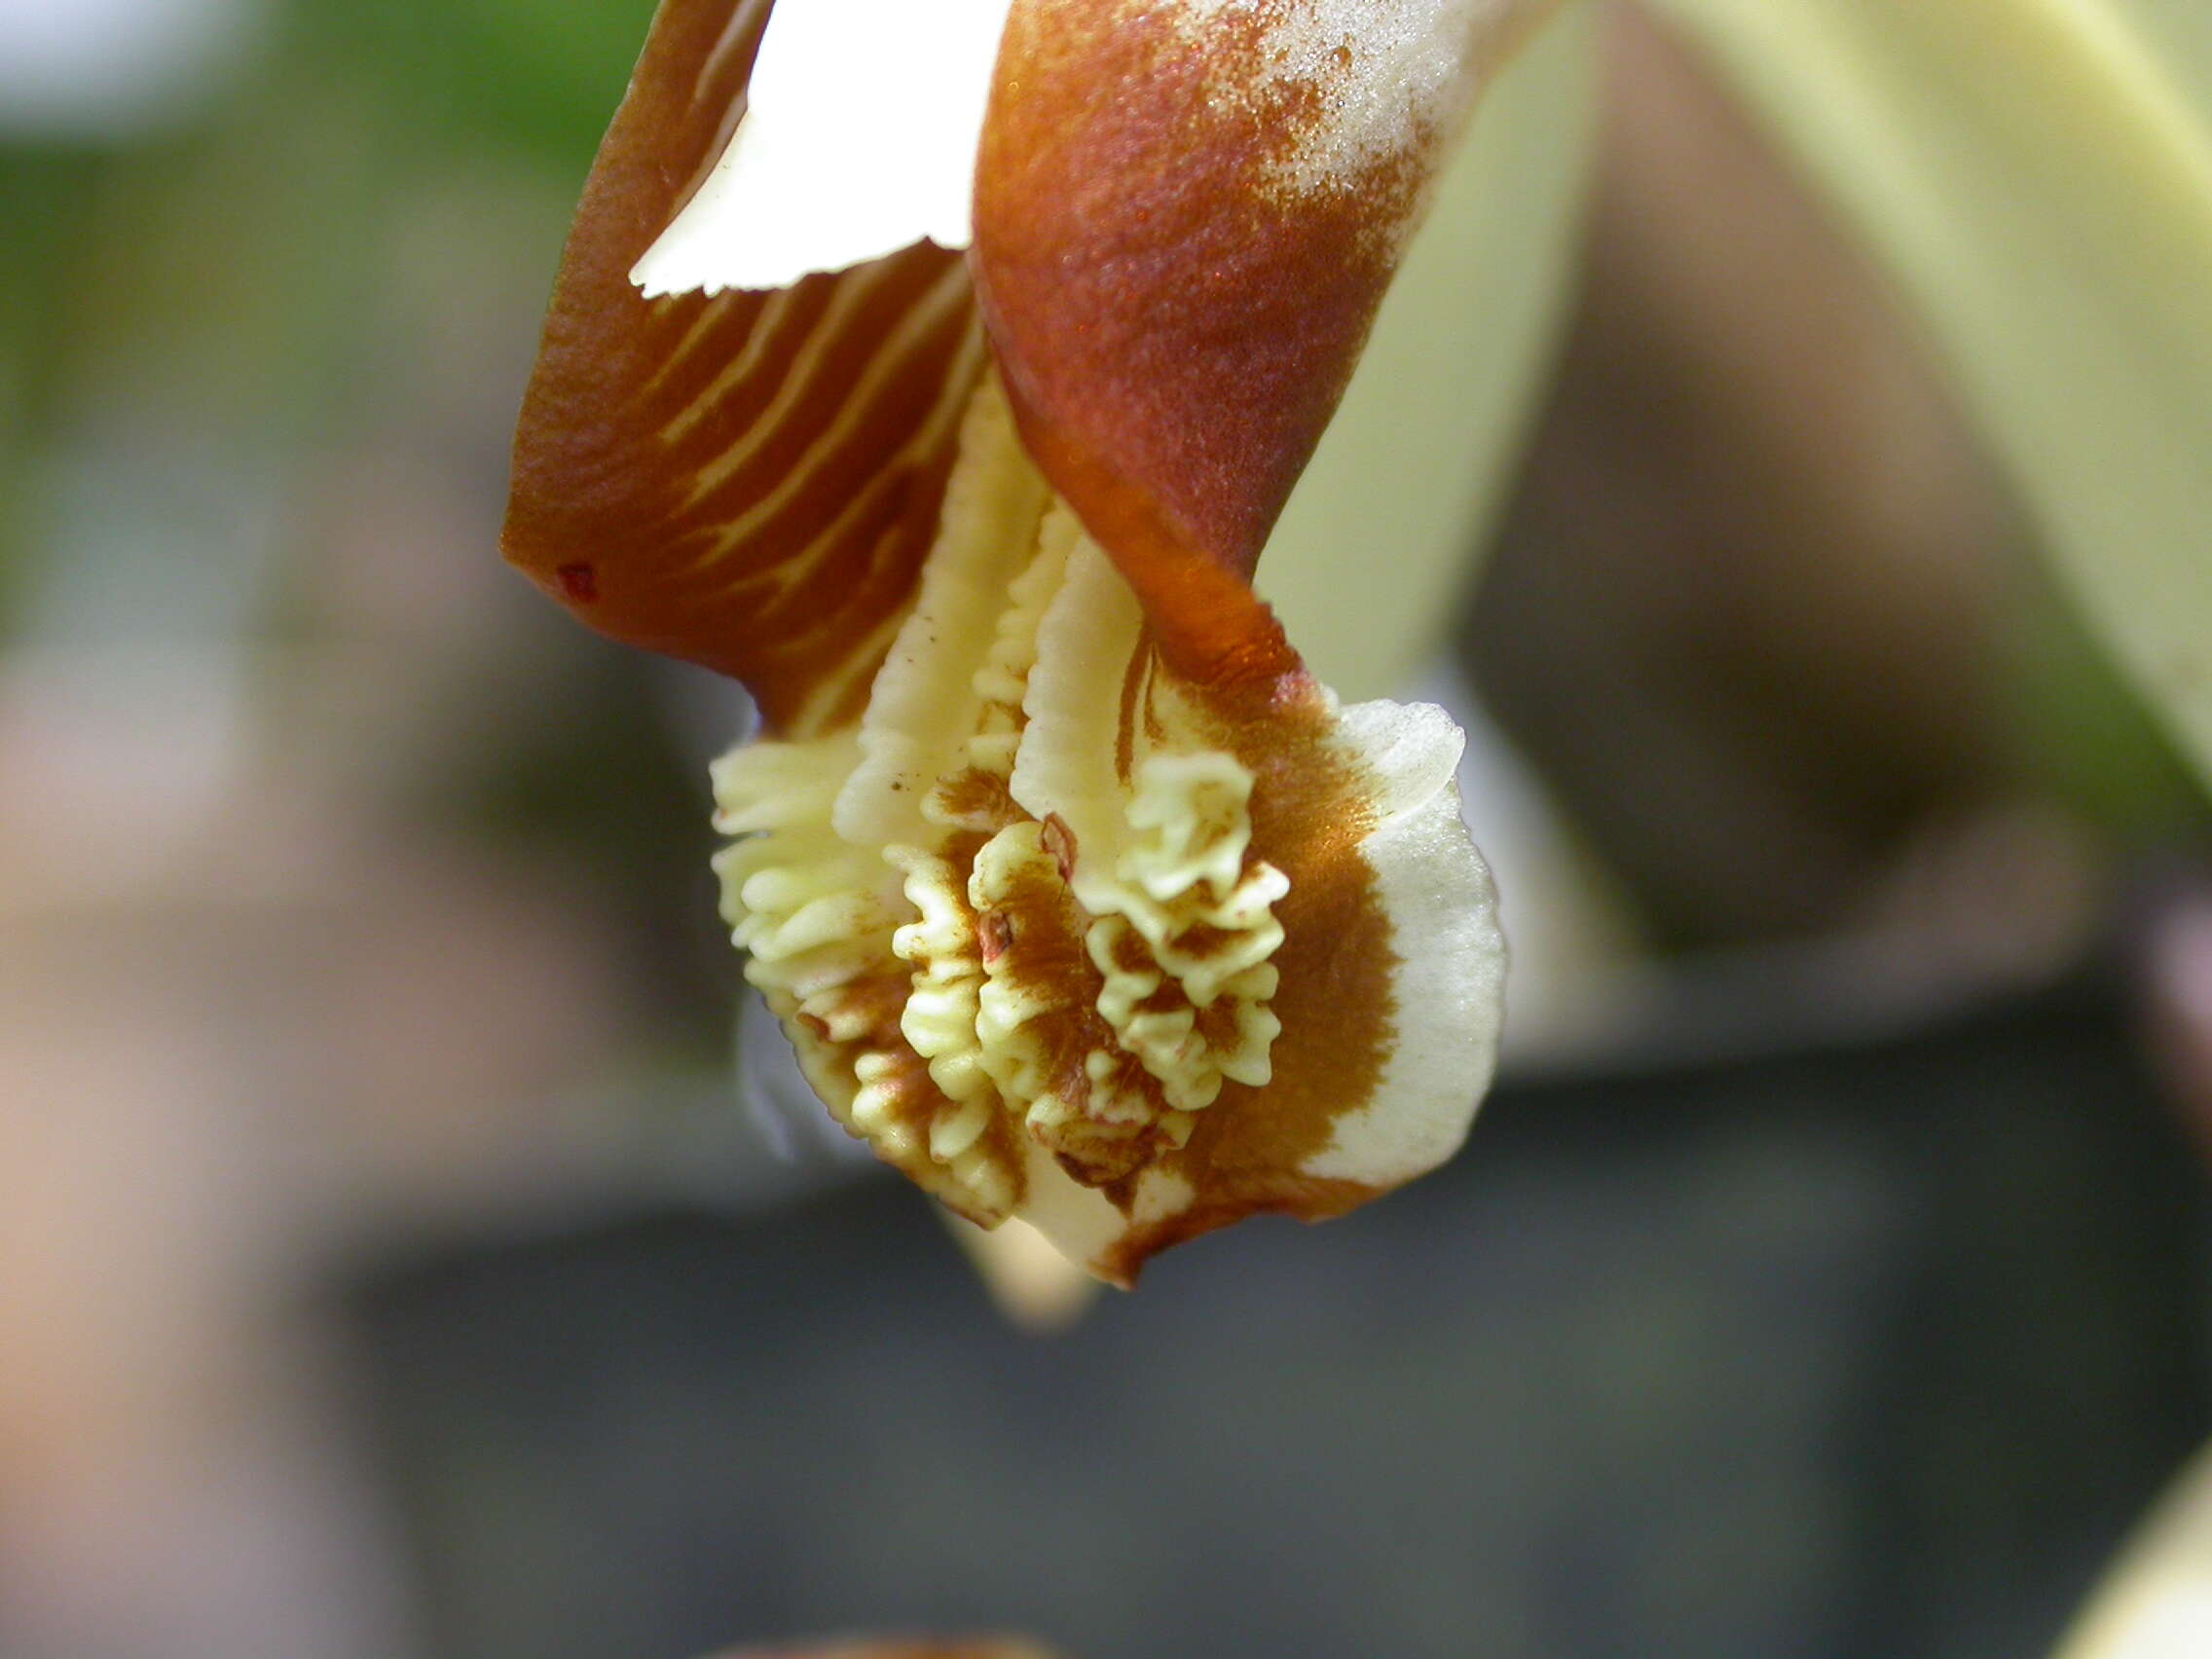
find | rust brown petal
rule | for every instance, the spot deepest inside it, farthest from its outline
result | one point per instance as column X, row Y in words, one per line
column 749, row 481
column 1179, row 250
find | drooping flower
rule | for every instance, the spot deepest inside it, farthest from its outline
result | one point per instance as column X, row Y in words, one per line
column 1080, row 898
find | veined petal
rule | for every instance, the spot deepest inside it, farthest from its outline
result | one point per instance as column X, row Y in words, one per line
column 2038, row 176
column 1187, row 212
column 1080, row 899
column 749, row 481
column 859, row 141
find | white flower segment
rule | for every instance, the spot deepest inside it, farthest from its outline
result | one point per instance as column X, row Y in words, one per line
column 859, row 140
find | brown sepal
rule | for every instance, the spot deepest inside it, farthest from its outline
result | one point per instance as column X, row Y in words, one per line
column 749, row 481
column 1175, row 305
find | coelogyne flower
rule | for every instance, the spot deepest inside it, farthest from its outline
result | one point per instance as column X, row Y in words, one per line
column 1080, row 898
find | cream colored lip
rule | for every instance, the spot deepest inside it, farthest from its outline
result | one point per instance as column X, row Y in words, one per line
column 1081, row 901
column 1019, row 925
column 1092, row 994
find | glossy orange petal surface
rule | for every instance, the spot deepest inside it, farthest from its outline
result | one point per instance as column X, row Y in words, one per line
column 1186, row 214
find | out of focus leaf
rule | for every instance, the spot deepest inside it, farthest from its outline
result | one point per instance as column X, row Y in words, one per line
column 2037, row 174
column 528, row 73
column 1416, row 462
column 42, row 192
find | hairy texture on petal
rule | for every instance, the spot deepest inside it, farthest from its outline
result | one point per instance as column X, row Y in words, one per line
column 1187, row 212
column 749, row 481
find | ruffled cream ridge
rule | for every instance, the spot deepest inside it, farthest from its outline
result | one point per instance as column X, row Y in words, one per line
column 1081, row 900
column 1021, row 927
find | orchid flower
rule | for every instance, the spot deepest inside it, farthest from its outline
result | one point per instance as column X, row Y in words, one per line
column 939, row 372
column 1178, row 215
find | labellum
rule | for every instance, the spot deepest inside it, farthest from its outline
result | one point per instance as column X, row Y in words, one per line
column 1080, row 899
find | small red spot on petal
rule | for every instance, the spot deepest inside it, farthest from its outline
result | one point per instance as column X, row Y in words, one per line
column 994, row 932
column 815, row 1023
column 579, row 583
column 1059, row 841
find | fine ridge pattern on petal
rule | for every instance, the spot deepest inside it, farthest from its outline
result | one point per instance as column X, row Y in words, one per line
column 751, row 480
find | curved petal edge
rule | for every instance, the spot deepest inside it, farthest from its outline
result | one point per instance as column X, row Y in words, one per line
column 1187, row 212
column 749, row 481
